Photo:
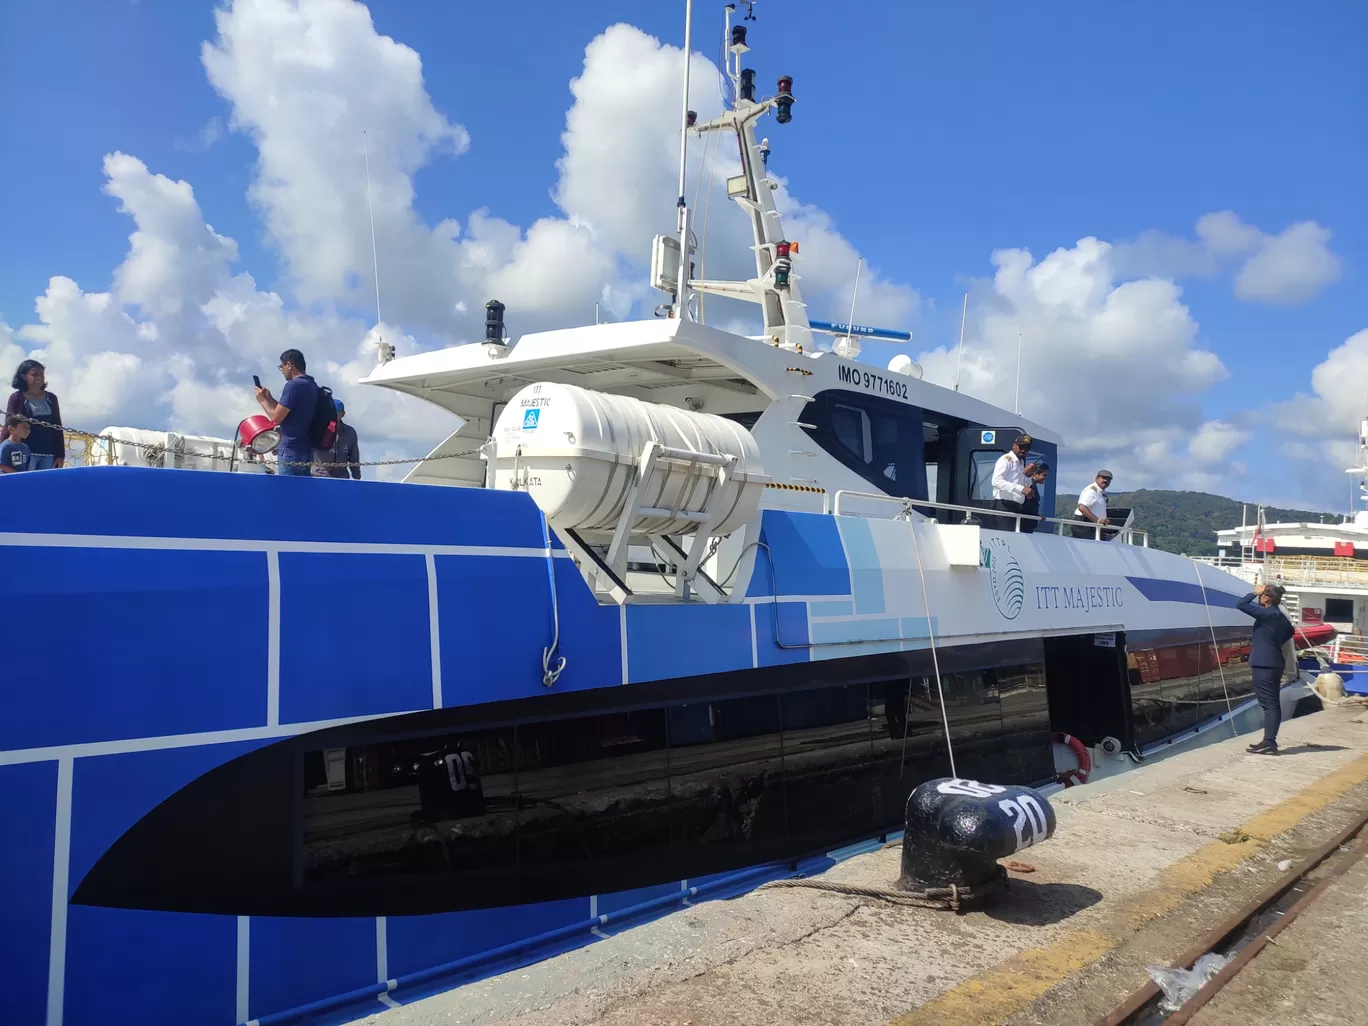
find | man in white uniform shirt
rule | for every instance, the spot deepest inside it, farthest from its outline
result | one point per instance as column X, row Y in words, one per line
column 1012, row 484
column 1092, row 507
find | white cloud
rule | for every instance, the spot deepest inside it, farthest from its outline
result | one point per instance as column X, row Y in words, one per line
column 306, row 79
column 1217, row 439
column 620, row 169
column 1224, row 234
column 1319, row 429
column 1339, row 398
column 175, row 342
column 175, row 261
column 209, row 133
column 1290, row 267
column 1122, row 355
column 177, row 335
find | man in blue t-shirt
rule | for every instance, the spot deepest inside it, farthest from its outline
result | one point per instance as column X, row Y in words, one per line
column 15, row 456
column 292, row 412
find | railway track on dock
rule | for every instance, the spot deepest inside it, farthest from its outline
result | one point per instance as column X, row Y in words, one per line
column 1247, row 932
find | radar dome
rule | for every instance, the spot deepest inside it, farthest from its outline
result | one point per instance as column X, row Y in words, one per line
column 904, row 364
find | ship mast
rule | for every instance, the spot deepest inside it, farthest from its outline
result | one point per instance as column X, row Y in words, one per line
column 775, row 285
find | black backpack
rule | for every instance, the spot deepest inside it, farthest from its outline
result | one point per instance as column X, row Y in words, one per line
column 323, row 426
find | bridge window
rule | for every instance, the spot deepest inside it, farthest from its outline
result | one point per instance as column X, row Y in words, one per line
column 880, row 439
column 850, row 425
column 981, row 475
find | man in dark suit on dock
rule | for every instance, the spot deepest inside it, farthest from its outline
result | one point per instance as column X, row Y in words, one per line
column 1272, row 630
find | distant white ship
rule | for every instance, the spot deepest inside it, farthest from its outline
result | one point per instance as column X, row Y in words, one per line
column 1323, row 566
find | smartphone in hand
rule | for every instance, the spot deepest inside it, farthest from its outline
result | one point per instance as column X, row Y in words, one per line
column 256, row 380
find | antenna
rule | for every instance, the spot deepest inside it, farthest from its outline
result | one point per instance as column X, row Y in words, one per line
column 959, row 362
column 847, row 345
column 854, row 291
column 1018, row 382
column 386, row 351
column 682, row 296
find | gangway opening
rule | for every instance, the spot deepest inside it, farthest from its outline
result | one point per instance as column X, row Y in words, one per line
column 1087, row 687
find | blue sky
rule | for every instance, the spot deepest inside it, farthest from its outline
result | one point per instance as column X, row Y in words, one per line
column 932, row 135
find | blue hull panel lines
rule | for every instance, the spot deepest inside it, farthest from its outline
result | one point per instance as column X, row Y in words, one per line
column 258, row 763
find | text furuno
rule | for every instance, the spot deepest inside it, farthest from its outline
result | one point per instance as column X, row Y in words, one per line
column 1084, row 599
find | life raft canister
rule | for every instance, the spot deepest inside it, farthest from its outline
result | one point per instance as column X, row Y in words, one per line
column 1079, row 775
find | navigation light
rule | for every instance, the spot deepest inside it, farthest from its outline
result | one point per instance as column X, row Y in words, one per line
column 748, row 84
column 784, row 101
column 494, row 325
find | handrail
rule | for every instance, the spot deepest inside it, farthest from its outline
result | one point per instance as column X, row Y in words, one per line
column 899, row 500
column 1289, row 570
column 1227, row 561
column 906, row 505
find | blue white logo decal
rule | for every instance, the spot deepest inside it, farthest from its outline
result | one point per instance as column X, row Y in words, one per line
column 530, row 418
column 1005, row 578
column 987, row 437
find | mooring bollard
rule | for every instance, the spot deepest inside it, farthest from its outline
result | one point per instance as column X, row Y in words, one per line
column 956, row 830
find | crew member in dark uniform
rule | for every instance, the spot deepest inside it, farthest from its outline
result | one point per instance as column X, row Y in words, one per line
column 1031, row 504
column 1272, row 630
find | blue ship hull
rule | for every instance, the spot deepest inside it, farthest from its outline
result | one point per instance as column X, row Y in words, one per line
column 194, row 645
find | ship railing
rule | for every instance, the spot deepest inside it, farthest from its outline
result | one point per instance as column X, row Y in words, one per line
column 1347, row 648
column 1295, row 570
column 974, row 515
column 1249, row 571
column 1313, row 570
column 1228, row 562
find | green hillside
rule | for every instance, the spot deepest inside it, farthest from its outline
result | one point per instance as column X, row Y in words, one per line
column 1187, row 522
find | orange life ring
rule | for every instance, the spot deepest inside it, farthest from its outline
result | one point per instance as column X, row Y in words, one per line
column 1073, row 777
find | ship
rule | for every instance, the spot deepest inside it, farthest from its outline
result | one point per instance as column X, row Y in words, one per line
column 1323, row 568
column 672, row 611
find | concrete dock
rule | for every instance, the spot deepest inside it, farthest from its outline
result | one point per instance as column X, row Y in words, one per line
column 1141, row 865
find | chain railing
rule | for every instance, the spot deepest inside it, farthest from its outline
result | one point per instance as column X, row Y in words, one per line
column 88, row 455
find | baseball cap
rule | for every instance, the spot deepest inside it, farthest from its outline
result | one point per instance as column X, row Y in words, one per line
column 1105, row 473
column 341, row 406
column 1024, row 441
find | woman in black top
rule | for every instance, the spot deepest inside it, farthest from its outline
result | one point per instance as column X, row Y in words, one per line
column 32, row 401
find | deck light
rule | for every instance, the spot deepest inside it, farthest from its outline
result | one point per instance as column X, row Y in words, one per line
column 258, row 434
column 784, row 101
